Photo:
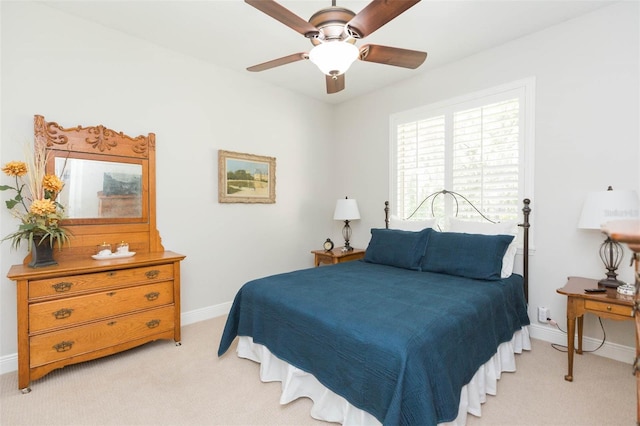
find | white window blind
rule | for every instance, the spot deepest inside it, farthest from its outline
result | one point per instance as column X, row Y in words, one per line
column 421, row 161
column 474, row 146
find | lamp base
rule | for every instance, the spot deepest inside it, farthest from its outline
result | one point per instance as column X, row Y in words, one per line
column 346, row 234
column 611, row 255
column 610, row 283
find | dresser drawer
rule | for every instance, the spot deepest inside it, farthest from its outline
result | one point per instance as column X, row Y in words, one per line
column 610, row 308
column 63, row 344
column 95, row 306
column 82, row 283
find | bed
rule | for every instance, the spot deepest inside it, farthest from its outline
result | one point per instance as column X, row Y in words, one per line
column 417, row 332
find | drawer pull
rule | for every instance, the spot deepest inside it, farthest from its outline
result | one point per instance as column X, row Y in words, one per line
column 111, row 273
column 152, row 274
column 111, row 323
column 153, row 323
column 63, row 313
column 62, row 286
column 609, row 308
column 152, row 296
column 63, row 346
column 111, row 293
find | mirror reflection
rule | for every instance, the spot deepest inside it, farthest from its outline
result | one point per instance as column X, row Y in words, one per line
column 100, row 189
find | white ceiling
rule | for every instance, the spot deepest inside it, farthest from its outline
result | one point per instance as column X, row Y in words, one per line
column 234, row 35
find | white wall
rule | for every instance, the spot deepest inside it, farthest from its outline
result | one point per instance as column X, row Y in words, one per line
column 75, row 72
column 586, row 134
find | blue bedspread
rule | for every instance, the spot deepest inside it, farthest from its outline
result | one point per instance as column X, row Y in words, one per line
column 396, row 343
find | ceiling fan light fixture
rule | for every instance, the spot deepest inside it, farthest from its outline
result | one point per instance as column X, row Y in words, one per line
column 334, row 57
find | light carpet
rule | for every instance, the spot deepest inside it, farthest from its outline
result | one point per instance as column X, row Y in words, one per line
column 161, row 384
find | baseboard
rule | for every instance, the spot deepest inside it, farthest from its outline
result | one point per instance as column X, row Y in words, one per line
column 9, row 363
column 205, row 313
column 614, row 351
column 626, row 354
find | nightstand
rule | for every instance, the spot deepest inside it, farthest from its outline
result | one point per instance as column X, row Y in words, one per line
column 605, row 305
column 337, row 255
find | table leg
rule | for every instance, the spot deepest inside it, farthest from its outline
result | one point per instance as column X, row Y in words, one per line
column 580, row 324
column 571, row 334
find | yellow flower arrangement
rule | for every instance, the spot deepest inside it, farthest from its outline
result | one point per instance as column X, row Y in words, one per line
column 35, row 202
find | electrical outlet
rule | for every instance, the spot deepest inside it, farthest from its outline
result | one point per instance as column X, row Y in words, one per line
column 543, row 314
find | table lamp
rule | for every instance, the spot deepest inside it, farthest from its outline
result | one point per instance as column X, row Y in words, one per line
column 347, row 210
column 602, row 207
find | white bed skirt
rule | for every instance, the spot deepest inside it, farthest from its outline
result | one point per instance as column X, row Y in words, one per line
column 330, row 407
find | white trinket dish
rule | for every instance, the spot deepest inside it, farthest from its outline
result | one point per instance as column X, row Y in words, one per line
column 113, row 255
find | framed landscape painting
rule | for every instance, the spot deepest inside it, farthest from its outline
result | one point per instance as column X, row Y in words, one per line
column 246, row 178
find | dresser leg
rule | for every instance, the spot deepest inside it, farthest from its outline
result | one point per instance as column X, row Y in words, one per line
column 178, row 343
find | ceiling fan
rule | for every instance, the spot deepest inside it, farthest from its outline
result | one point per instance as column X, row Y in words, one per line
column 333, row 31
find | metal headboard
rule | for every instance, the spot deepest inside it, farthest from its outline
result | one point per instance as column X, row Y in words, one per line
column 525, row 225
column 455, row 196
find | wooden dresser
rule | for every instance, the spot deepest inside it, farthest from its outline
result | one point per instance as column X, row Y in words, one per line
column 87, row 309
column 82, row 308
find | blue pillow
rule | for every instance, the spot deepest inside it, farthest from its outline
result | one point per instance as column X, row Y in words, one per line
column 393, row 247
column 466, row 255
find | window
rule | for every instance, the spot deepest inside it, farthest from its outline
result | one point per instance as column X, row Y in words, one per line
column 480, row 146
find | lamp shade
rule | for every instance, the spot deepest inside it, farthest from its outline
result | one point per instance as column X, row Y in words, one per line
column 605, row 206
column 346, row 209
column 334, row 57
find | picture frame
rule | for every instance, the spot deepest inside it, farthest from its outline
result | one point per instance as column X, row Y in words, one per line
column 246, row 178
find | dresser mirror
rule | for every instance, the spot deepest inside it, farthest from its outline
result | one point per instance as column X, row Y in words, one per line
column 109, row 186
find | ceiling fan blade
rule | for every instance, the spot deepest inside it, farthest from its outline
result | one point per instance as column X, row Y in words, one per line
column 277, row 62
column 392, row 56
column 334, row 84
column 376, row 14
column 284, row 15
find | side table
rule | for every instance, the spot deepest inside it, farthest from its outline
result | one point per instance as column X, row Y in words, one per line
column 337, row 255
column 605, row 305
